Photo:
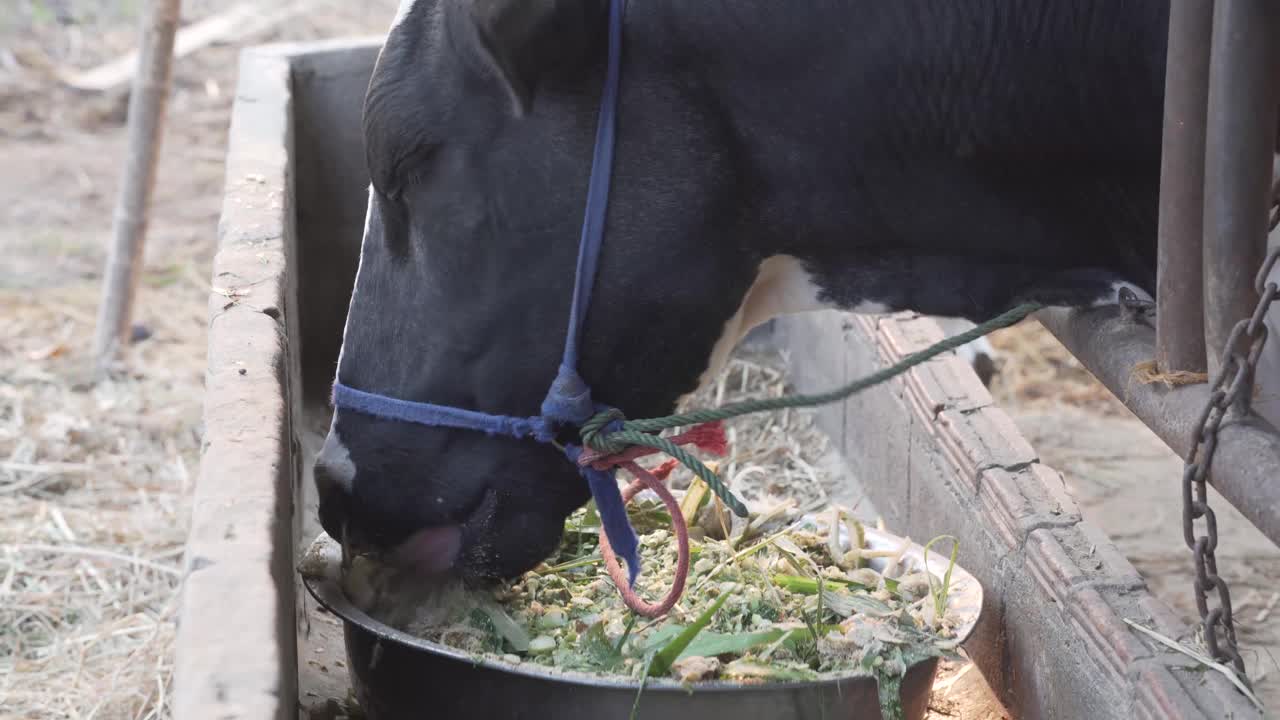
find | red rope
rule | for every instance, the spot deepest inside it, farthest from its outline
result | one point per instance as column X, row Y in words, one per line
column 708, row 437
column 646, row 479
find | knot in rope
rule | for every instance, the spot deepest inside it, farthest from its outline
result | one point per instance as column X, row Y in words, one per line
column 609, row 433
column 592, row 428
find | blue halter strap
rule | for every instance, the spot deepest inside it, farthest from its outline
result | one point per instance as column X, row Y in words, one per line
column 568, row 402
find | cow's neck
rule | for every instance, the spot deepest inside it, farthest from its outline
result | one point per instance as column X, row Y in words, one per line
column 768, row 123
column 874, row 208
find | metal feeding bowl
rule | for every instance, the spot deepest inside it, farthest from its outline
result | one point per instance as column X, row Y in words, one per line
column 397, row 675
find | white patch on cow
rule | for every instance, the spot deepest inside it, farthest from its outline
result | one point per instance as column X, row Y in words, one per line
column 406, row 6
column 1112, row 296
column 782, row 287
column 337, row 462
column 979, row 354
column 368, row 214
column 971, row 352
column 333, row 424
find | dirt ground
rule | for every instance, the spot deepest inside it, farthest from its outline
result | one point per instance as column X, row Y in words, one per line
column 95, row 480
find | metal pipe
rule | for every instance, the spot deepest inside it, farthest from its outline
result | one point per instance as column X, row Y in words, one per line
column 1246, row 463
column 1180, row 290
column 1239, row 159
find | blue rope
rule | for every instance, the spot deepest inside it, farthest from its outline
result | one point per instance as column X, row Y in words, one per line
column 593, row 224
column 441, row 415
column 568, row 401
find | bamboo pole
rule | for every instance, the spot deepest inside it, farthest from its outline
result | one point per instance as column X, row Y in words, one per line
column 146, row 122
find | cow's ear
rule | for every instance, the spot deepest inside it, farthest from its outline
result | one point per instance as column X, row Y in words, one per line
column 524, row 40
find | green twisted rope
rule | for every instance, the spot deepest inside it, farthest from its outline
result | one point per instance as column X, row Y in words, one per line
column 644, row 432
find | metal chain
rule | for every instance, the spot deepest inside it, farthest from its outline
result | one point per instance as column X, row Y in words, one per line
column 1231, row 392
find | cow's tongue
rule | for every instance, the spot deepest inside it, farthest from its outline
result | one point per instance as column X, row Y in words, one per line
column 430, row 551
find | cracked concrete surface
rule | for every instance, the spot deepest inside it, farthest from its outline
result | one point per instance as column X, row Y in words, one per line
column 1127, row 482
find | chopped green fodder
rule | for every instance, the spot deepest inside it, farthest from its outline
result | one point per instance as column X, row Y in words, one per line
column 776, row 598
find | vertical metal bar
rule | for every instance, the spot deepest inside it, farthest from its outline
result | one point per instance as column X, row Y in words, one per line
column 1238, row 161
column 1180, row 292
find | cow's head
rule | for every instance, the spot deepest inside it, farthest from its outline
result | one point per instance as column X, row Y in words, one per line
column 862, row 139
column 479, row 126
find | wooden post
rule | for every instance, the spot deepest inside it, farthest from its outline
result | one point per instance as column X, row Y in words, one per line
column 146, row 115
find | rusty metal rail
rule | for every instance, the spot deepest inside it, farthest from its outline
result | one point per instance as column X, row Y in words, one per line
column 1216, row 196
column 1246, row 466
column 1239, row 151
column 1220, row 136
column 1180, row 341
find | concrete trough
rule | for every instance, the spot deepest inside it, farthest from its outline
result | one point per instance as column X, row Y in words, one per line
column 933, row 452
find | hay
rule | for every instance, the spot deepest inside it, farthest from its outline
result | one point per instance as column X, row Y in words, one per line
column 1200, row 658
column 1265, row 612
column 772, row 456
column 1037, row 372
column 93, row 513
column 94, row 482
column 1148, row 373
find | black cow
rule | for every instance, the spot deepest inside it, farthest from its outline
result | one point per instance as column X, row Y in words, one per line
column 952, row 157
